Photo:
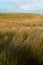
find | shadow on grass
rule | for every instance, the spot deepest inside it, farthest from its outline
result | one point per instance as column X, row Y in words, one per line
column 20, row 54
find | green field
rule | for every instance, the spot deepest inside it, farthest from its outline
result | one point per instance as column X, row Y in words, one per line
column 21, row 39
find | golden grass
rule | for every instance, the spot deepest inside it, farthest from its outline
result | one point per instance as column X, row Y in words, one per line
column 21, row 39
column 13, row 21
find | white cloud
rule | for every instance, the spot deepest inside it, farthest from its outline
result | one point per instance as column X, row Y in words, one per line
column 15, row 1
column 24, row 7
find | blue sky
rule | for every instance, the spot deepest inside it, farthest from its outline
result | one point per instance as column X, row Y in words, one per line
column 29, row 6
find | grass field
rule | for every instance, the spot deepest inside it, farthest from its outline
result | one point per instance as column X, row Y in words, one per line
column 21, row 39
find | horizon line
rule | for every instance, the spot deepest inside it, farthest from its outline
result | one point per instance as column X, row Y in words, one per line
column 21, row 12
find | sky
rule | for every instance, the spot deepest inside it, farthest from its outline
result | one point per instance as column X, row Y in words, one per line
column 26, row 6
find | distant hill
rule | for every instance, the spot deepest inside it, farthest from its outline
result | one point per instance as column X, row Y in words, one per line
column 12, row 20
column 29, row 16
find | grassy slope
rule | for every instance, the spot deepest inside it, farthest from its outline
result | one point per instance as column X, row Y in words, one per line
column 21, row 36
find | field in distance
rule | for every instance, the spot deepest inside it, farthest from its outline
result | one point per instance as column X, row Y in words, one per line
column 13, row 21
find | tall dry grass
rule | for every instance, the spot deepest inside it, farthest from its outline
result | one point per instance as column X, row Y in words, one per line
column 21, row 39
column 21, row 48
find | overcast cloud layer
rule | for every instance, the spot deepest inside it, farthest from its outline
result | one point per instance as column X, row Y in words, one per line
column 30, row 6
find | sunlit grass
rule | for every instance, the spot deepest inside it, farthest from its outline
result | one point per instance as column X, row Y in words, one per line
column 21, row 39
